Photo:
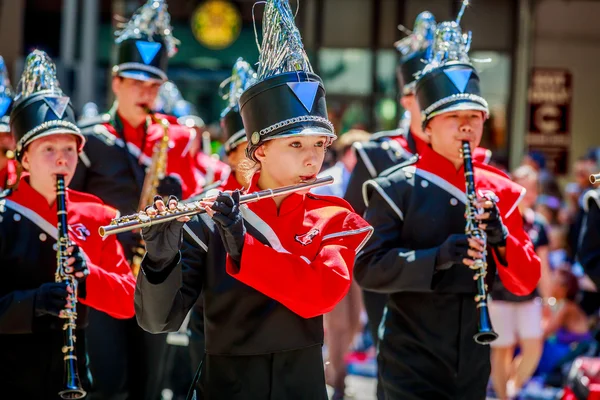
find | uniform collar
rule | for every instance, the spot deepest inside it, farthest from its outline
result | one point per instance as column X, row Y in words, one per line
column 131, row 134
column 437, row 164
column 289, row 204
column 28, row 197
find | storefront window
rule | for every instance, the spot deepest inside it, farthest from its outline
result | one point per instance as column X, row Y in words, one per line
column 495, row 86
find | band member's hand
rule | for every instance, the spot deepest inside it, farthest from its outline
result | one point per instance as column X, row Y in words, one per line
column 458, row 249
column 51, row 298
column 170, row 185
column 491, row 221
column 76, row 264
column 163, row 240
column 226, row 213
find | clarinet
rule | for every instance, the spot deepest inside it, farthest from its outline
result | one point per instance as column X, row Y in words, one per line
column 485, row 333
column 72, row 385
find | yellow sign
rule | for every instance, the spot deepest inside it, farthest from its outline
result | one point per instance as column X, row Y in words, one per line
column 216, row 24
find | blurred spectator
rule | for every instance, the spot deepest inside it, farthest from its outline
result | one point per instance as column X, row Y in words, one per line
column 518, row 319
column 548, row 183
column 566, row 325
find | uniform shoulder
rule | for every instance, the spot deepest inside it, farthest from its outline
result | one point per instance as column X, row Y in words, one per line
column 482, row 155
column 508, row 193
column 88, row 124
column 591, row 195
column 400, row 170
column 92, row 204
column 489, row 168
column 338, row 213
column 386, row 135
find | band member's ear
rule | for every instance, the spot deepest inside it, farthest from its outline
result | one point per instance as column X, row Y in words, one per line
column 427, row 130
column 25, row 160
column 260, row 153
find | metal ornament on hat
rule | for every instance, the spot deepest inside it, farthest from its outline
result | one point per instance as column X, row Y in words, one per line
column 420, row 38
column 150, row 20
column 39, row 81
column 282, row 49
column 286, row 83
column 449, row 43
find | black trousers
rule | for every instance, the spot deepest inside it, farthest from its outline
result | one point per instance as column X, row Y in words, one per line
column 289, row 375
column 127, row 363
column 32, row 365
column 428, row 352
column 374, row 306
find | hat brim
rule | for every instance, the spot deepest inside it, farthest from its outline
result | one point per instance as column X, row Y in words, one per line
column 235, row 140
column 305, row 131
column 58, row 131
column 143, row 76
column 461, row 106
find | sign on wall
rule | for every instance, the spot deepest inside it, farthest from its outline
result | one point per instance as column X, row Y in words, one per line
column 550, row 96
column 216, row 24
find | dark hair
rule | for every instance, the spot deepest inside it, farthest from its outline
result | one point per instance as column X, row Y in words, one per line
column 569, row 281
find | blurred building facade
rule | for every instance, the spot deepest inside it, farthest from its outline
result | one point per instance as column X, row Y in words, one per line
column 350, row 43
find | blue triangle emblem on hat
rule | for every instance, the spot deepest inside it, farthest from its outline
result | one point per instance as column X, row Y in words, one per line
column 460, row 77
column 305, row 92
column 148, row 50
column 58, row 104
column 4, row 104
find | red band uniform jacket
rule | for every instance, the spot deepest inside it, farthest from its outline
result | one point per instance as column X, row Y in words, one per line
column 426, row 347
column 263, row 319
column 32, row 361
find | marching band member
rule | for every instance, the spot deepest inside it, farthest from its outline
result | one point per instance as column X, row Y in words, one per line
column 389, row 148
column 269, row 270
column 31, row 334
column 119, row 148
column 419, row 253
column 8, row 166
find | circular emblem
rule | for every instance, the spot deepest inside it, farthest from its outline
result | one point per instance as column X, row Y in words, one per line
column 255, row 138
column 216, row 24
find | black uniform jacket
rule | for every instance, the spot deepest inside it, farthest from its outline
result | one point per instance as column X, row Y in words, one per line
column 589, row 240
column 427, row 350
column 30, row 346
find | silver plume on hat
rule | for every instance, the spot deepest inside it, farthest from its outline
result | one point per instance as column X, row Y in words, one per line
column 282, row 49
column 5, row 87
column 420, row 37
column 38, row 75
column 242, row 77
column 149, row 20
column 450, row 44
